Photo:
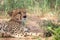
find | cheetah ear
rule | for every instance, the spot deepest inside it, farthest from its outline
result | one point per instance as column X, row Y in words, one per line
column 10, row 13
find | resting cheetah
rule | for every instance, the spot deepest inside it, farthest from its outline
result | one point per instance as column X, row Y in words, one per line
column 14, row 26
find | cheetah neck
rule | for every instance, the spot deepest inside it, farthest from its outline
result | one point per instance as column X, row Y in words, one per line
column 15, row 21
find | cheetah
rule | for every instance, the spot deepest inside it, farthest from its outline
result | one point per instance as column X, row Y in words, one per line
column 14, row 27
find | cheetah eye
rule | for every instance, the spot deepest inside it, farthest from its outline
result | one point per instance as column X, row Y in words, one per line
column 19, row 12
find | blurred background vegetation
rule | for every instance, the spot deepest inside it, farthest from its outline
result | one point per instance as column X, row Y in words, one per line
column 34, row 6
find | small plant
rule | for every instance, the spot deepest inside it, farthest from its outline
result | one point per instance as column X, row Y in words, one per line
column 55, row 30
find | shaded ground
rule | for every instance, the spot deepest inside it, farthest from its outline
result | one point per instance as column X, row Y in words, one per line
column 27, row 38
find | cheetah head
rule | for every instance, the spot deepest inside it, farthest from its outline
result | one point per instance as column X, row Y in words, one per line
column 18, row 15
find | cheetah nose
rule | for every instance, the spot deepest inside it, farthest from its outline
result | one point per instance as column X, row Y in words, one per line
column 24, row 16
